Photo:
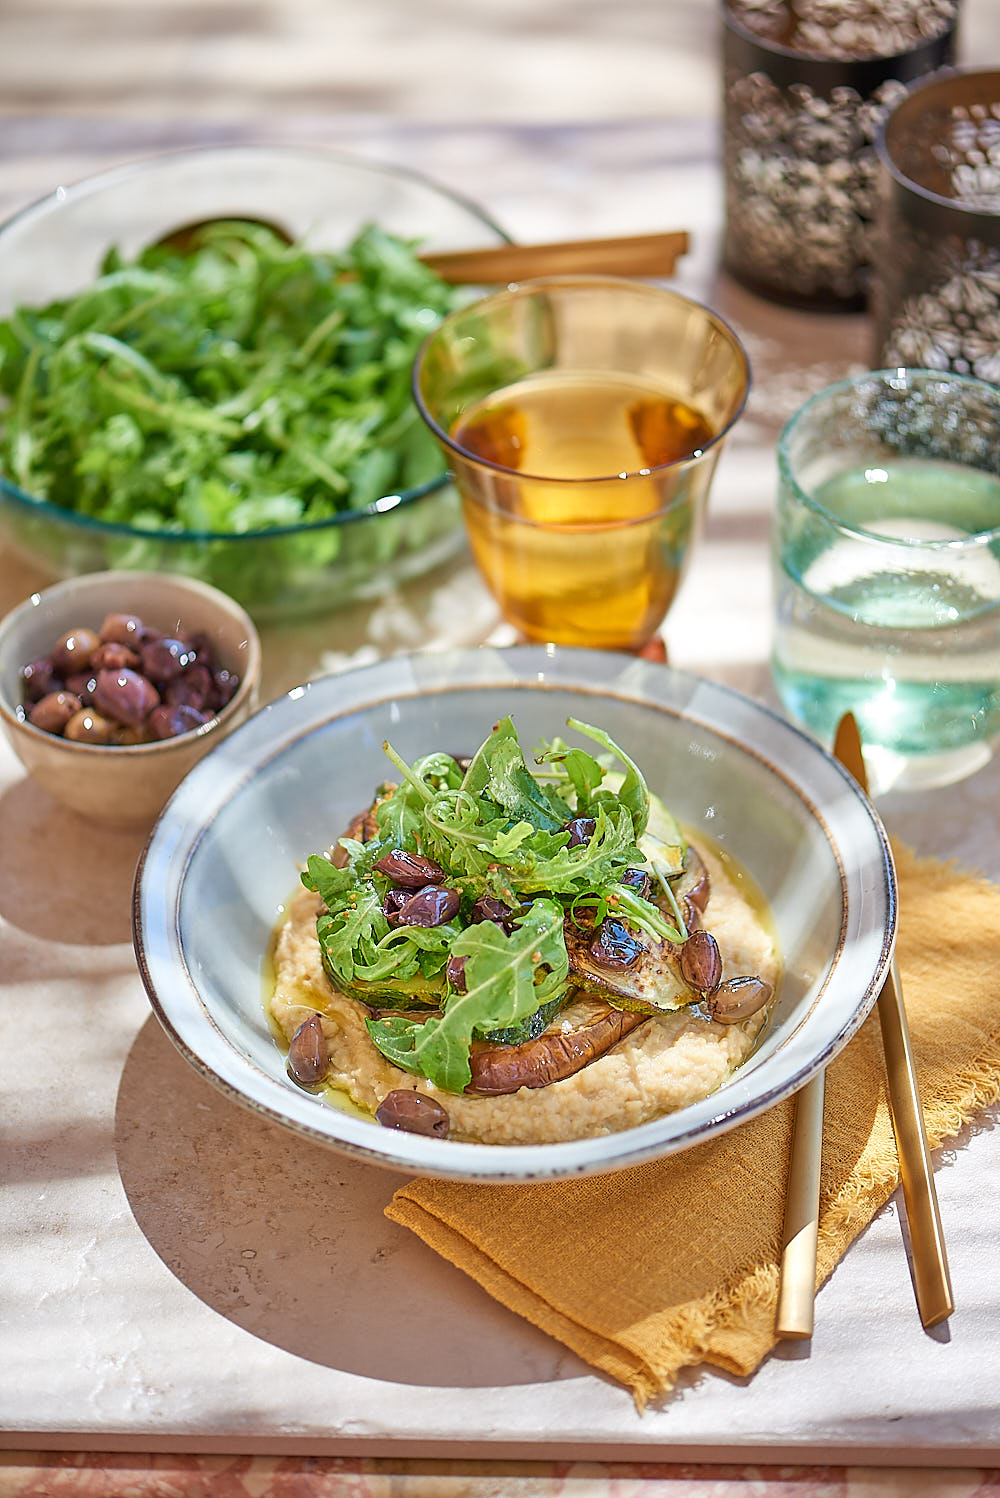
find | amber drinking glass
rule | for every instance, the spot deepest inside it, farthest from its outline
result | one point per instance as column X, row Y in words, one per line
column 582, row 418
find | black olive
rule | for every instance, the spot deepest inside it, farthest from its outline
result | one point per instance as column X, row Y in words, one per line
column 411, row 870
column 615, row 946
column 581, row 830
column 54, row 711
column 308, row 1061
column 701, row 961
column 112, row 655
column 639, row 880
column 203, row 649
column 738, row 999
column 166, row 658
column 82, row 684
column 405, row 1109
column 122, row 629
column 429, row 906
column 224, row 685
column 125, row 696
column 170, row 719
column 88, row 727
column 394, row 900
column 193, row 687
column 39, row 679
column 489, row 908
column 455, row 973
column 691, row 914
column 73, row 651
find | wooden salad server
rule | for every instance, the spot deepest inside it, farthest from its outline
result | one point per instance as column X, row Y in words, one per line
column 653, row 255
column 633, row 255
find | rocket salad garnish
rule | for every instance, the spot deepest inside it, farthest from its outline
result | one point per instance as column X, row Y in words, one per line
column 449, row 924
column 239, row 384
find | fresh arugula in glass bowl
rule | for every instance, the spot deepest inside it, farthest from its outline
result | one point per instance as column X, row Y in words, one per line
column 236, row 408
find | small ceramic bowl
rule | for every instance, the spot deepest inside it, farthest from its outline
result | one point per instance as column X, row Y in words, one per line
column 227, row 852
column 122, row 785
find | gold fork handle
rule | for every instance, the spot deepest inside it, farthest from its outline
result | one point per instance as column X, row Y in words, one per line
column 797, row 1293
column 931, row 1280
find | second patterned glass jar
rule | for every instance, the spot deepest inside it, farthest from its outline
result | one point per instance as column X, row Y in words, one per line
column 807, row 87
column 936, row 286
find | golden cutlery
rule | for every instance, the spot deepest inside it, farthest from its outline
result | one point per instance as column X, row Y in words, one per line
column 797, row 1283
column 629, row 255
column 931, row 1280
column 797, row 1287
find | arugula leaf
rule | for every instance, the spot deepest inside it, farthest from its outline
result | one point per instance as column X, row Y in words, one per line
column 512, row 786
column 332, row 884
column 509, row 839
column 427, row 775
column 503, row 986
column 543, row 863
column 328, row 882
column 459, row 830
column 629, row 905
column 406, row 968
column 632, row 791
column 579, row 767
column 349, row 937
column 477, row 776
column 398, row 819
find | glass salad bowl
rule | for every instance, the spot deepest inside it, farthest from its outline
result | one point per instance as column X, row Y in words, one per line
column 247, row 526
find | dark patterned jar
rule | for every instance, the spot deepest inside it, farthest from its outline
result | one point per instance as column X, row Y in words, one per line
column 936, row 292
column 806, row 92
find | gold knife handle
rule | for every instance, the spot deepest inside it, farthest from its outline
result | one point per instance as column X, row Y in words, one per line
column 797, row 1293
column 931, row 1280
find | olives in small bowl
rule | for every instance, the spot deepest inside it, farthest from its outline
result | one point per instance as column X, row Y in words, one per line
column 113, row 684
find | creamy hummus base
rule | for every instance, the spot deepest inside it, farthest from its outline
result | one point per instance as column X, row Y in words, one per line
column 669, row 1062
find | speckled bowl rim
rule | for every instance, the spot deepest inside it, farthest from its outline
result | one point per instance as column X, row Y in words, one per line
column 214, row 781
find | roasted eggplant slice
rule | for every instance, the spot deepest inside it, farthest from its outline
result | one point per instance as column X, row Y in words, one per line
column 556, row 1054
column 655, row 981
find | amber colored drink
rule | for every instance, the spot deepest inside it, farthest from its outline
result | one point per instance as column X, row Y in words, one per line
column 581, row 523
column 582, row 418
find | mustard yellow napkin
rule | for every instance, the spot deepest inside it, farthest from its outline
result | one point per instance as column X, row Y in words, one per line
column 675, row 1262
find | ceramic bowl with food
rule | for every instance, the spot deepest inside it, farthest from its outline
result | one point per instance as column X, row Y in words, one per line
column 220, row 881
column 236, row 409
column 114, row 684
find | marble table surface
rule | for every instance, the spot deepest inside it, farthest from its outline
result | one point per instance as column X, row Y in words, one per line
column 164, row 1288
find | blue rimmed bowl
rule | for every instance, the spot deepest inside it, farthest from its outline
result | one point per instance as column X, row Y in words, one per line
column 226, row 854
